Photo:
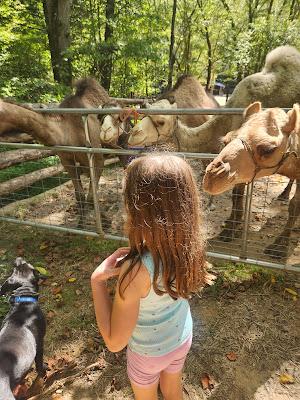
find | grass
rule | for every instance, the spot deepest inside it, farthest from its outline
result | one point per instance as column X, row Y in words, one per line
column 27, row 167
column 36, row 188
column 232, row 276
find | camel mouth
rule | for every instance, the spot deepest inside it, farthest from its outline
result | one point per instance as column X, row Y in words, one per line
column 217, row 184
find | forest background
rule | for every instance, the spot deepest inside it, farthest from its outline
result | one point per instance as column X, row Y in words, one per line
column 135, row 48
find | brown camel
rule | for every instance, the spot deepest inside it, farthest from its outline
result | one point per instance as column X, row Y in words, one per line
column 64, row 130
column 267, row 143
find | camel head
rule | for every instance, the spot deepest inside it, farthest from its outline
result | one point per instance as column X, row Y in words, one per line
column 258, row 148
column 154, row 129
column 114, row 128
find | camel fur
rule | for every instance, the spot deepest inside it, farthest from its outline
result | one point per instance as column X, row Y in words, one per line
column 186, row 93
column 64, row 130
column 268, row 142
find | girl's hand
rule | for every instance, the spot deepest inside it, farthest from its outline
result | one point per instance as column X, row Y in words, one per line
column 107, row 268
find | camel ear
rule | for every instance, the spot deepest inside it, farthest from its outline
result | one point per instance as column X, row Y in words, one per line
column 293, row 124
column 228, row 137
column 252, row 109
column 171, row 99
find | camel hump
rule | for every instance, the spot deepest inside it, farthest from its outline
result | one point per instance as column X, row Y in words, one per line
column 86, row 85
column 88, row 92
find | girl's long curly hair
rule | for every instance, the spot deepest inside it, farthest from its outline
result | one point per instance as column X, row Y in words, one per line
column 164, row 217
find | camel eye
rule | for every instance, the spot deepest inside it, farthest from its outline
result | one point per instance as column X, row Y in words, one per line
column 264, row 150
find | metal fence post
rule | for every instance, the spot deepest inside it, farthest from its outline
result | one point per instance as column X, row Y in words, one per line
column 247, row 218
column 92, row 177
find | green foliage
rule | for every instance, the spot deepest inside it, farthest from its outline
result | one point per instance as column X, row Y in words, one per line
column 240, row 35
column 27, row 167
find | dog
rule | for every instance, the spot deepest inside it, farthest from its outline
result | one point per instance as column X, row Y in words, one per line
column 23, row 329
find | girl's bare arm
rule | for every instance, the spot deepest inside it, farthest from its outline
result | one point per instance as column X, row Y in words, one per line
column 116, row 320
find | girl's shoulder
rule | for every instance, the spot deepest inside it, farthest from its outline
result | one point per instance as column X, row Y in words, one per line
column 137, row 279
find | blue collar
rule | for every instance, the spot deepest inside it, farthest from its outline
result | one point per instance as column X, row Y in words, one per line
column 23, row 299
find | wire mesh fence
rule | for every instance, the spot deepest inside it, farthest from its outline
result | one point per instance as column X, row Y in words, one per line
column 40, row 193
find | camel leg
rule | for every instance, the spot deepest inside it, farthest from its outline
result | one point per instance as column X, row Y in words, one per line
column 284, row 196
column 230, row 230
column 98, row 164
column 279, row 248
column 74, row 174
column 211, row 206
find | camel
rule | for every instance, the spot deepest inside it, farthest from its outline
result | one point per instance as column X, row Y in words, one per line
column 278, row 84
column 267, row 143
column 64, row 130
column 114, row 128
column 187, row 93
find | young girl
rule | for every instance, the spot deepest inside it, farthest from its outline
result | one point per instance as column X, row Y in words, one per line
column 163, row 266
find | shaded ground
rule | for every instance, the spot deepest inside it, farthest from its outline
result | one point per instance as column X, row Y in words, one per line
column 246, row 327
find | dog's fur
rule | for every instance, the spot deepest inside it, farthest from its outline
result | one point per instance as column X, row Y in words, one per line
column 23, row 329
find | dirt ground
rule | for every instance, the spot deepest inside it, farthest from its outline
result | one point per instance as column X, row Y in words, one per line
column 246, row 327
column 268, row 216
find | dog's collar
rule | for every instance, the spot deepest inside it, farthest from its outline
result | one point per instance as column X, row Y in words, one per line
column 23, row 299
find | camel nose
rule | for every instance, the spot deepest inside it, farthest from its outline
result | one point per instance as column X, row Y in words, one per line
column 214, row 166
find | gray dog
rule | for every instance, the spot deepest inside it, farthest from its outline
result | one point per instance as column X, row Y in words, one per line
column 23, row 329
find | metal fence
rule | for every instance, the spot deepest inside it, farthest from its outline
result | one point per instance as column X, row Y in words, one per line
column 50, row 202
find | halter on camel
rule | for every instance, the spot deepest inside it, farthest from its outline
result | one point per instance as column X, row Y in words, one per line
column 258, row 168
column 160, row 135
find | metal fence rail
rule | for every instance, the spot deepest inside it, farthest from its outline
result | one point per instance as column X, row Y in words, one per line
column 55, row 209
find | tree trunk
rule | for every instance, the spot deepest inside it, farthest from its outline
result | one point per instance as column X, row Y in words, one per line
column 13, row 157
column 209, row 59
column 108, row 47
column 57, row 16
column 172, row 42
column 27, row 180
column 18, row 137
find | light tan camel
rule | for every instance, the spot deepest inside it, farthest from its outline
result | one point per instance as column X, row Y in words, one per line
column 65, row 130
column 278, row 84
column 186, row 93
column 267, row 143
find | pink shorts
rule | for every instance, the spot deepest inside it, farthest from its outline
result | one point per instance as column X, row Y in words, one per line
column 145, row 370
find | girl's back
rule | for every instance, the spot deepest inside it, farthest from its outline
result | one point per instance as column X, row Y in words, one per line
column 163, row 322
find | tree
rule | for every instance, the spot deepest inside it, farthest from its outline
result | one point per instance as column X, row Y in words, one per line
column 107, row 47
column 57, row 16
column 172, row 43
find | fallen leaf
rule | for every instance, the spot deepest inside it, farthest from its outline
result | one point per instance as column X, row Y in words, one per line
column 207, row 382
column 56, row 290
column 231, row 356
column 273, row 280
column 286, row 379
column 291, row 291
column 72, row 280
column 58, row 297
column 44, row 246
column 41, row 270
column 78, row 292
column 51, row 314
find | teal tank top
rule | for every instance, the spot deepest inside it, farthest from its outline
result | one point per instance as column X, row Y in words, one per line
column 163, row 323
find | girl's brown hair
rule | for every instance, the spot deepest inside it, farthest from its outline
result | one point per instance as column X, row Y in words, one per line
column 165, row 218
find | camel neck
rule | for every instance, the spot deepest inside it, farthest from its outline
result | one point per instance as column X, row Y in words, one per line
column 18, row 118
column 204, row 138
